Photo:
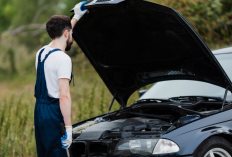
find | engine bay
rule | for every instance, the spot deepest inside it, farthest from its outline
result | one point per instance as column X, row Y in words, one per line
column 122, row 128
column 144, row 117
column 141, row 124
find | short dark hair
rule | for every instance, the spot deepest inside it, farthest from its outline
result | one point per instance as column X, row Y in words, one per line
column 57, row 24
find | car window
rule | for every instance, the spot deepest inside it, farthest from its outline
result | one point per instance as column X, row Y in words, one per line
column 174, row 88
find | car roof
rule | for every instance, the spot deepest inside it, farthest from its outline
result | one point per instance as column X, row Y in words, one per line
column 222, row 51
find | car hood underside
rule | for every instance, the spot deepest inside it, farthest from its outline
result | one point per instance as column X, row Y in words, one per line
column 135, row 43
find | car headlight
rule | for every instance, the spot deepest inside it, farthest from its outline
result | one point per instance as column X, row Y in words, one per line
column 135, row 146
column 165, row 146
column 145, row 147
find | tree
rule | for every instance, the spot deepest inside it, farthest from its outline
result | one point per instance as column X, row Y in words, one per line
column 23, row 23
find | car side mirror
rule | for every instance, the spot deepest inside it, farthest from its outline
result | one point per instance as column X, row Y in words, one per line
column 141, row 92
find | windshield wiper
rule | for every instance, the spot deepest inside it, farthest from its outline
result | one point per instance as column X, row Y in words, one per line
column 199, row 99
column 152, row 100
column 181, row 99
column 164, row 100
column 191, row 111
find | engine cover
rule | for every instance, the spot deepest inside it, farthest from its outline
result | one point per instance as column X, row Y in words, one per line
column 134, row 124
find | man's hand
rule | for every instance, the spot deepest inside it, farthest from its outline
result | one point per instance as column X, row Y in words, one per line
column 78, row 12
column 66, row 141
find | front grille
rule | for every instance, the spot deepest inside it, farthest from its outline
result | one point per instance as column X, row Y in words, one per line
column 89, row 149
column 97, row 149
column 78, row 149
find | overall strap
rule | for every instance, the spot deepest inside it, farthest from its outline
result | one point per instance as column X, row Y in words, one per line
column 39, row 58
column 46, row 56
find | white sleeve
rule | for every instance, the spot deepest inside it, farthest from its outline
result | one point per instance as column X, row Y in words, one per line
column 64, row 68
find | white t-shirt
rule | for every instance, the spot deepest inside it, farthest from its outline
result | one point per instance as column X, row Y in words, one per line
column 57, row 65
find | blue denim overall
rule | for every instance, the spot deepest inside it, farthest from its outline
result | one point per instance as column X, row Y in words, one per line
column 47, row 117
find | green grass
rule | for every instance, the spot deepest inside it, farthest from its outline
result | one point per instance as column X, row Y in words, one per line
column 17, row 133
column 90, row 98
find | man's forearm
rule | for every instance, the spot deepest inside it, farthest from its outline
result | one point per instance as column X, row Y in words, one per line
column 65, row 107
column 78, row 13
column 73, row 22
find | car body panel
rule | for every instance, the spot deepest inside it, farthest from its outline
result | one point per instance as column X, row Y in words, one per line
column 190, row 136
column 135, row 43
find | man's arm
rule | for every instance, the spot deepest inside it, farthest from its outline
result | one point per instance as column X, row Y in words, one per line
column 65, row 100
column 78, row 13
column 73, row 22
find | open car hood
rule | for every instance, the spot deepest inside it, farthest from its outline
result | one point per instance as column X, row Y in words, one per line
column 134, row 43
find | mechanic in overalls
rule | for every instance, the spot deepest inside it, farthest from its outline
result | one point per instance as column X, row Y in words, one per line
column 53, row 101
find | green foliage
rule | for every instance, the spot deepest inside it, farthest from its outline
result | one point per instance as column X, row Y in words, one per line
column 102, row 106
column 17, row 13
column 212, row 19
column 227, row 6
column 5, row 12
column 91, row 101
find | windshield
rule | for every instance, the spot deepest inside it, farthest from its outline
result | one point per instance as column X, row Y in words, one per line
column 175, row 88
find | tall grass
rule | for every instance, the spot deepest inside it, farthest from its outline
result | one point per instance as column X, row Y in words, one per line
column 17, row 133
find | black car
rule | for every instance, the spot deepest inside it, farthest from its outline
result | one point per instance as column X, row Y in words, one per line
column 133, row 43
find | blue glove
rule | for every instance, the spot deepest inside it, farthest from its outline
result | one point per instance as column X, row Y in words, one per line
column 66, row 141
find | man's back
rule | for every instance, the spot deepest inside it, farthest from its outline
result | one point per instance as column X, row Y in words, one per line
column 57, row 65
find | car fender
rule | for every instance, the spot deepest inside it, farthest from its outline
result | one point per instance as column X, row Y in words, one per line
column 190, row 141
column 190, row 136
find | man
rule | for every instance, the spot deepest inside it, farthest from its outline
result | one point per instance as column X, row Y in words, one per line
column 53, row 101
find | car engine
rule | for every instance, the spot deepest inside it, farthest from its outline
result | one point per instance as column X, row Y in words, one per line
column 102, row 138
column 116, row 128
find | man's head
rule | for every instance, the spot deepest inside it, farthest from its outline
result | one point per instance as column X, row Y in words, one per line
column 59, row 27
